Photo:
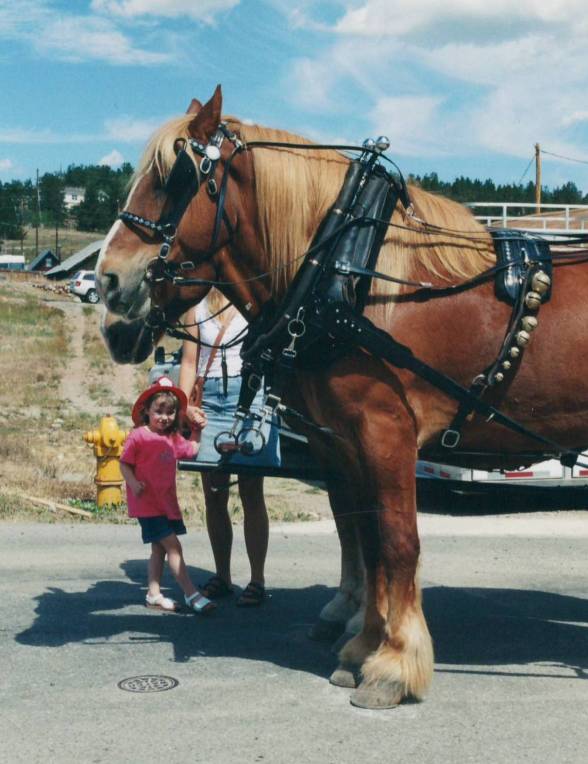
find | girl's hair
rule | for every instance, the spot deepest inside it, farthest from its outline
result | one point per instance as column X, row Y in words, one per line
column 171, row 398
column 216, row 300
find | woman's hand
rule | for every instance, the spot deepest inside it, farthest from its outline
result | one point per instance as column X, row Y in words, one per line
column 196, row 417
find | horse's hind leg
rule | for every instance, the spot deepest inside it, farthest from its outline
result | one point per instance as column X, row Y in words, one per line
column 395, row 646
column 334, row 616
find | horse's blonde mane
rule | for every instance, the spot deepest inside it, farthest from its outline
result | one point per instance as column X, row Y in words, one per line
column 160, row 152
column 295, row 189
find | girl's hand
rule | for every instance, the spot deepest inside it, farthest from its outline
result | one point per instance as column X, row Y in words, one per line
column 137, row 487
column 196, row 417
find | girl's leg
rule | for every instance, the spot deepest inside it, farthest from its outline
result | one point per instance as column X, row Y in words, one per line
column 218, row 522
column 255, row 525
column 175, row 559
column 155, row 569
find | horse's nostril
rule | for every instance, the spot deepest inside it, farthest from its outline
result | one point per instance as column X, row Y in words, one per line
column 110, row 282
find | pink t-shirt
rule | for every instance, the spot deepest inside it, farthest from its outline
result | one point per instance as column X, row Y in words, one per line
column 153, row 457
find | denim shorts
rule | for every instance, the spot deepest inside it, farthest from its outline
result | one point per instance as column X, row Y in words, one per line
column 220, row 410
column 156, row 528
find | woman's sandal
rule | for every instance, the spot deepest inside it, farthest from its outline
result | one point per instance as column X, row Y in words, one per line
column 252, row 595
column 199, row 604
column 159, row 602
column 216, row 588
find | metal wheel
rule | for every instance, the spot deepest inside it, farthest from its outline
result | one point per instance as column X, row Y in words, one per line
column 92, row 296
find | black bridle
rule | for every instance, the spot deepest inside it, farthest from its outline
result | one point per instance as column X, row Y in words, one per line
column 183, row 183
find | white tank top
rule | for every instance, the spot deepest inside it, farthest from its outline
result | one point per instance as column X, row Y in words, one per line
column 208, row 333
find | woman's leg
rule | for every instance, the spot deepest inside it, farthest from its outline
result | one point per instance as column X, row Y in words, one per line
column 218, row 522
column 175, row 558
column 255, row 525
column 155, row 569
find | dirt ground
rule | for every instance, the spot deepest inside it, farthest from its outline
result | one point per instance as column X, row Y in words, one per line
column 90, row 386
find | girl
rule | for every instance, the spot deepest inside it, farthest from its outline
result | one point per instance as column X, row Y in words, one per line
column 148, row 465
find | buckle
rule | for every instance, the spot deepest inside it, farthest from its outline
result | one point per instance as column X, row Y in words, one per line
column 450, row 438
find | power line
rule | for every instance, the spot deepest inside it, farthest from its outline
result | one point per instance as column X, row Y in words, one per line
column 526, row 171
column 560, row 156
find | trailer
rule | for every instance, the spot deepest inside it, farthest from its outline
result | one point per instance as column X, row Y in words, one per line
column 12, row 262
column 434, row 479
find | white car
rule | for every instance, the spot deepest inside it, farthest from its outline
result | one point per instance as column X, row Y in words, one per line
column 83, row 285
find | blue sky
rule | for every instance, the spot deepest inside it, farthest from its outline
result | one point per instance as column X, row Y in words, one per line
column 460, row 86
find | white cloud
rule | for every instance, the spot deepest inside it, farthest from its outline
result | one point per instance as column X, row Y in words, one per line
column 71, row 37
column 575, row 117
column 199, row 10
column 457, row 19
column 113, row 159
column 6, row 164
column 456, row 77
column 83, row 38
column 406, row 121
column 120, row 129
column 130, row 130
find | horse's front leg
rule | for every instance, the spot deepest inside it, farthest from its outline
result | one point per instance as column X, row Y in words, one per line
column 334, row 616
column 394, row 649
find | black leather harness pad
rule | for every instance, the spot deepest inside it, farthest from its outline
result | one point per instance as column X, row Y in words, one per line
column 514, row 249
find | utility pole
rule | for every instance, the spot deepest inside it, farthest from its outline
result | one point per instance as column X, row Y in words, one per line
column 38, row 218
column 538, row 177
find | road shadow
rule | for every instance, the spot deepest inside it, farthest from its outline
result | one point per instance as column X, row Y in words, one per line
column 114, row 611
column 470, row 626
column 451, row 498
column 493, row 627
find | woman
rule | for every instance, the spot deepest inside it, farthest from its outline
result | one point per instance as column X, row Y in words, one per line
column 219, row 403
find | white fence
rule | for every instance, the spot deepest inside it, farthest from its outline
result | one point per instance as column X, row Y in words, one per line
column 552, row 218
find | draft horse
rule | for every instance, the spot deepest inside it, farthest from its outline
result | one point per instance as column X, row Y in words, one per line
column 244, row 225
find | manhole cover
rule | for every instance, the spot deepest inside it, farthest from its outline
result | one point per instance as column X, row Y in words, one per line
column 151, row 683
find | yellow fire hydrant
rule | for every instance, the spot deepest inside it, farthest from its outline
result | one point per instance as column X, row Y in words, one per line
column 108, row 443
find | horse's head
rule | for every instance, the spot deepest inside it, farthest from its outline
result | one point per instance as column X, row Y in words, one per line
column 182, row 211
column 157, row 225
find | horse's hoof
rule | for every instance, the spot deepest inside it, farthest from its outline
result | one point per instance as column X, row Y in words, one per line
column 325, row 631
column 377, row 697
column 341, row 642
column 344, row 676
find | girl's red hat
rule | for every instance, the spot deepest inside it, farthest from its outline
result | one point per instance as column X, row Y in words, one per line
column 161, row 385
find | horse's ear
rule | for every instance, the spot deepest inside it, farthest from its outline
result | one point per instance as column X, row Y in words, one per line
column 194, row 106
column 208, row 118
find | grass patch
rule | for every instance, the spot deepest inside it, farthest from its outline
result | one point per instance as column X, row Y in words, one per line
column 42, row 450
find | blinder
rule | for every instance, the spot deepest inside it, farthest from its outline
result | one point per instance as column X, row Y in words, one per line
column 183, row 178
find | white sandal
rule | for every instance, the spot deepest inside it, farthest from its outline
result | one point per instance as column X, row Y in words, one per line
column 159, row 602
column 199, row 603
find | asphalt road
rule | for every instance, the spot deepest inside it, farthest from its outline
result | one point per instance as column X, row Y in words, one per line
column 505, row 599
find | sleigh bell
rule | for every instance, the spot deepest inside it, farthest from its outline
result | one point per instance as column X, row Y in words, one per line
column 540, row 282
column 499, row 376
column 514, row 352
column 533, row 300
column 522, row 338
column 529, row 323
column 506, row 365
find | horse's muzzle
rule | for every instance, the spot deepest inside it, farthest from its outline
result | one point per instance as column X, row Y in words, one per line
column 127, row 341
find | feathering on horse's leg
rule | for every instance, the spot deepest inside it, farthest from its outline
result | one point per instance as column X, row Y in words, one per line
column 402, row 664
